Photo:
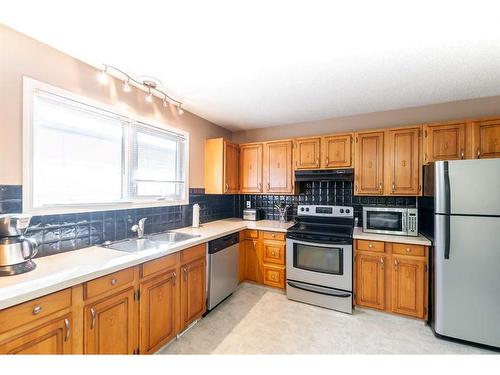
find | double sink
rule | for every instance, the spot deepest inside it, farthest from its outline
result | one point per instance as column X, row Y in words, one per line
column 150, row 242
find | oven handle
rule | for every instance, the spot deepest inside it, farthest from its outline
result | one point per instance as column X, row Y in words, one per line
column 319, row 290
column 297, row 239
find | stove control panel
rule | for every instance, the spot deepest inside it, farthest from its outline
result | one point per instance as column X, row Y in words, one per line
column 325, row 211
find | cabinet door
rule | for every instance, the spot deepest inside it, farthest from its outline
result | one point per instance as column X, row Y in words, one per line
column 307, row 153
column 111, row 325
column 158, row 311
column 253, row 270
column 369, row 170
column 403, row 160
column 278, row 174
column 50, row 338
column 193, row 293
column 231, row 168
column 486, row 139
column 370, row 280
column 337, row 151
column 444, row 142
column 408, row 286
column 251, row 168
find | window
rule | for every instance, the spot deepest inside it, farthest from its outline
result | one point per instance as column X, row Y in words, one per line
column 85, row 156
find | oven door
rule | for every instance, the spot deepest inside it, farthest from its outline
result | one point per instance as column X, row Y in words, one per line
column 321, row 264
column 385, row 220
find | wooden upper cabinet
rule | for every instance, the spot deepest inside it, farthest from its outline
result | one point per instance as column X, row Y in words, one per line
column 444, row 142
column 408, row 286
column 402, row 160
column 54, row 337
column 337, row 151
column 370, row 280
column 251, row 168
column 307, row 153
column 486, row 139
column 193, row 292
column 369, row 159
column 158, row 311
column 110, row 325
column 221, row 167
column 278, row 171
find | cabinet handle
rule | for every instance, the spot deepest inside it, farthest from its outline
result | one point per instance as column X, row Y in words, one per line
column 395, row 264
column 408, row 250
column 382, row 263
column 66, row 327
column 174, row 278
column 370, row 245
column 425, row 156
column 393, row 187
column 92, row 316
column 478, row 153
column 296, row 163
column 226, row 187
column 462, row 154
column 380, row 187
column 326, row 160
column 185, row 272
column 273, row 253
column 317, row 162
column 114, row 281
column 268, row 186
column 37, row 310
column 260, row 186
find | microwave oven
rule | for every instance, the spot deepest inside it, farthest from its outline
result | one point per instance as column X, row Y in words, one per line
column 390, row 220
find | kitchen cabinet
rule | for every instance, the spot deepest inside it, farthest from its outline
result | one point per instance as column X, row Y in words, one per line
column 402, row 158
column 251, row 168
column 252, row 269
column 369, row 163
column 307, row 153
column 221, row 167
column 110, row 324
column 158, row 311
column 278, row 172
column 486, row 139
column 193, row 291
column 337, row 151
column 392, row 277
column 444, row 142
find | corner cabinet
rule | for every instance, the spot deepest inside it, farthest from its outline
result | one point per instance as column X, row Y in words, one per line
column 369, row 163
column 251, row 167
column 221, row 167
column 278, row 171
column 486, row 139
column 444, row 142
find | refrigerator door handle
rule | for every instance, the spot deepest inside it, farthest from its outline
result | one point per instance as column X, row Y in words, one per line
column 447, row 189
column 446, row 235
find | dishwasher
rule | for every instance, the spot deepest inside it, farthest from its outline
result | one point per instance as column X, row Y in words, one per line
column 223, row 263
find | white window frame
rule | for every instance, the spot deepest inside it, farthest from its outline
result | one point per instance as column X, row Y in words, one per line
column 30, row 86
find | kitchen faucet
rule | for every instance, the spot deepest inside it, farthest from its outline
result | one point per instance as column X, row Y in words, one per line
column 139, row 228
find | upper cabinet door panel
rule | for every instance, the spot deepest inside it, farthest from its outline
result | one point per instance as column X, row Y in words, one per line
column 231, row 167
column 251, row 168
column 307, row 153
column 403, row 160
column 369, row 161
column 337, row 151
column 278, row 173
column 486, row 139
column 444, row 142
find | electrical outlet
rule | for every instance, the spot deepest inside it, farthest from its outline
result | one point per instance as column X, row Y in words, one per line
column 249, row 205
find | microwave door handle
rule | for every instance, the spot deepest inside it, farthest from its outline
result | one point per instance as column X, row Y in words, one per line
column 404, row 222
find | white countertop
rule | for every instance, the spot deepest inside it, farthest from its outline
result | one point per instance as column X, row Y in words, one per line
column 358, row 234
column 60, row 271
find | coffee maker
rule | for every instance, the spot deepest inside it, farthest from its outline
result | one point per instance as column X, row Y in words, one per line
column 16, row 251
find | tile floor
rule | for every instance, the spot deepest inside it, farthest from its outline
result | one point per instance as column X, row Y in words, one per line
column 260, row 320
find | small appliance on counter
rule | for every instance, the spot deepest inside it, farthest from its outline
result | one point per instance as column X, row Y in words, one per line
column 253, row 214
column 16, row 251
column 390, row 220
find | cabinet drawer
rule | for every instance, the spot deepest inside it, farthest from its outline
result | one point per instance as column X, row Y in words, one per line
column 251, row 234
column 193, row 253
column 274, row 275
column 28, row 312
column 376, row 246
column 109, row 282
column 273, row 252
column 279, row 236
column 159, row 265
column 405, row 249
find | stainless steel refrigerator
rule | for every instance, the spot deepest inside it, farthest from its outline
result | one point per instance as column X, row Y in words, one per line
column 465, row 282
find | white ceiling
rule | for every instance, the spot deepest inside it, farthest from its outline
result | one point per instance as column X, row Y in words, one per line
column 249, row 64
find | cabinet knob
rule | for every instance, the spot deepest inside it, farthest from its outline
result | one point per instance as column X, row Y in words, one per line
column 37, row 310
column 478, row 152
column 370, row 245
column 408, row 250
column 380, row 186
column 327, row 161
column 114, row 281
column 273, row 253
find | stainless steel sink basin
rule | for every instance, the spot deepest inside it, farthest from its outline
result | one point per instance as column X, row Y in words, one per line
column 171, row 237
column 134, row 245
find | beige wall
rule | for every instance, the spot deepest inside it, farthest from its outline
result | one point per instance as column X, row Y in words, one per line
column 22, row 56
column 474, row 108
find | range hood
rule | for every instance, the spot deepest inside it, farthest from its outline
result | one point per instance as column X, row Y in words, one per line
column 324, row 175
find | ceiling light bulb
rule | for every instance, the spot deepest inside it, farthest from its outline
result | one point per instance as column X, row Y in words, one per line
column 179, row 109
column 126, row 86
column 102, row 77
column 149, row 97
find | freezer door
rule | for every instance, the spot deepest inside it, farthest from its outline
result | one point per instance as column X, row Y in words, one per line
column 467, row 187
column 467, row 281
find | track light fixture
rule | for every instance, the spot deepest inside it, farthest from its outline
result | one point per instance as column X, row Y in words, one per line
column 149, row 84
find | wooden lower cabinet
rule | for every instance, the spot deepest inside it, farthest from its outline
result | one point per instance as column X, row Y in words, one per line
column 158, row 312
column 253, row 271
column 274, row 275
column 110, row 324
column 53, row 337
column 193, row 291
column 395, row 280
